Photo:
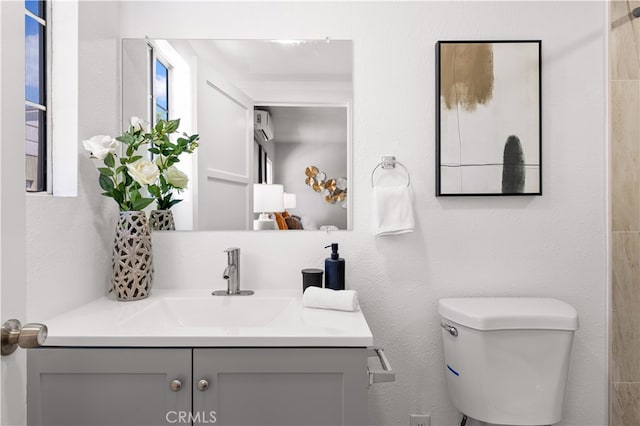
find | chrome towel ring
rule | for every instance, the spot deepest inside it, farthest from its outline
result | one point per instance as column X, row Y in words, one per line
column 389, row 162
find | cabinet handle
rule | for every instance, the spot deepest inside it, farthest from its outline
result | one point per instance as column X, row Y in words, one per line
column 175, row 385
column 203, row 385
column 384, row 375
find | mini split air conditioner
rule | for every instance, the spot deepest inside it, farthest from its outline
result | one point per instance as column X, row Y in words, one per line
column 262, row 125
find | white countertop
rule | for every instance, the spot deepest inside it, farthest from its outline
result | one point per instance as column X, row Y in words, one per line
column 186, row 318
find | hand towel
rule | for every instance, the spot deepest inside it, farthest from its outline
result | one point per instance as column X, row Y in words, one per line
column 392, row 210
column 325, row 298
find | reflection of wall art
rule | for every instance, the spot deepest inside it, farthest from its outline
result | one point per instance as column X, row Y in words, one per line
column 488, row 118
column 334, row 191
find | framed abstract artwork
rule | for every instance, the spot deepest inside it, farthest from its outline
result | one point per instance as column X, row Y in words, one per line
column 488, row 118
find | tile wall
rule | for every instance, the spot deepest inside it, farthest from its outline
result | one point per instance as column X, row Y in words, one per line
column 624, row 95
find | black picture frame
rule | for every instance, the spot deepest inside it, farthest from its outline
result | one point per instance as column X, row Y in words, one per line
column 485, row 91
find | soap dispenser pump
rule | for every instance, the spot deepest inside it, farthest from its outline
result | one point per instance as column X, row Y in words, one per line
column 334, row 269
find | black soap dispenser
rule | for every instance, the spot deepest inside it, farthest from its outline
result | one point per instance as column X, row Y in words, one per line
column 334, row 269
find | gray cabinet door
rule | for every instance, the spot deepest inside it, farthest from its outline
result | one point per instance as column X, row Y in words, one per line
column 281, row 387
column 107, row 386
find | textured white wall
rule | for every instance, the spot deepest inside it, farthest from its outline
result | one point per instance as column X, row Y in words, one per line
column 554, row 245
column 69, row 238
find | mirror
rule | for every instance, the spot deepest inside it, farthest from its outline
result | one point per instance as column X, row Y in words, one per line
column 268, row 112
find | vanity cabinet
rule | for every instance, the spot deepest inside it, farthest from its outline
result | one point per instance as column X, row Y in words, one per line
column 221, row 386
column 282, row 386
column 106, row 386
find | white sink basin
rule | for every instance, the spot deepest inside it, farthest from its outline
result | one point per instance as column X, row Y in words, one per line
column 215, row 311
column 195, row 318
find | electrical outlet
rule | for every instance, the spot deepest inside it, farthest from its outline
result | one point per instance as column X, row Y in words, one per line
column 419, row 420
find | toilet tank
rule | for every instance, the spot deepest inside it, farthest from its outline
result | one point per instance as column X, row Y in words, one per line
column 507, row 358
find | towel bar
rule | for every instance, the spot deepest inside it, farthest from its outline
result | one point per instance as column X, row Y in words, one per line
column 389, row 162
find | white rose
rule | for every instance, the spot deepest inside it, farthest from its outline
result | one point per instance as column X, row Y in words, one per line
column 176, row 178
column 100, row 146
column 139, row 124
column 143, row 171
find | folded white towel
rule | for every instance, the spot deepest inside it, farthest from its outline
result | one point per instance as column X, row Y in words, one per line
column 392, row 210
column 325, row 298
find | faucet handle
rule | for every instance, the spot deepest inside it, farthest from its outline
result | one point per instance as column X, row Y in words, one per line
column 233, row 254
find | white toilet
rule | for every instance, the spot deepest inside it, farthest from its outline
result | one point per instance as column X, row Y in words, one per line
column 507, row 358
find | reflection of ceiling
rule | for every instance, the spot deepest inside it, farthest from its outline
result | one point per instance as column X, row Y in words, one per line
column 308, row 124
column 265, row 60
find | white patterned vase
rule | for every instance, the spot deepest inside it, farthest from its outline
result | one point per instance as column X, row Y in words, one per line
column 132, row 258
column 161, row 220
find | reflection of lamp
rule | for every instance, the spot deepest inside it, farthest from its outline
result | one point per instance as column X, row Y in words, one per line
column 267, row 198
column 289, row 201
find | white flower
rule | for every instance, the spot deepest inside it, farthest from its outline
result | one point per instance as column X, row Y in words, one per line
column 176, row 178
column 100, row 146
column 139, row 124
column 143, row 171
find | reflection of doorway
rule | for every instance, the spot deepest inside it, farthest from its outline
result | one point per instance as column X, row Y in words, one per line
column 225, row 125
column 307, row 134
column 264, row 165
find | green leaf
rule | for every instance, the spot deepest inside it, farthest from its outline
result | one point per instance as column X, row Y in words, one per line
column 154, row 190
column 141, row 203
column 135, row 195
column 164, row 187
column 126, row 138
column 105, row 171
column 154, row 150
column 135, row 158
column 173, row 203
column 121, row 169
column 109, row 160
column 106, row 183
column 173, row 125
column 118, row 196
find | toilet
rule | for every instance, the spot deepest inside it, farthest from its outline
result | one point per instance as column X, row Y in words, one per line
column 507, row 358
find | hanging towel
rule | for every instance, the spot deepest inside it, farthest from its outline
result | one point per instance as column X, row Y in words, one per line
column 325, row 298
column 392, row 210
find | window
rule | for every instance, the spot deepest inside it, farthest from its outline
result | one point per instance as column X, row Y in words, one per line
column 161, row 90
column 35, row 95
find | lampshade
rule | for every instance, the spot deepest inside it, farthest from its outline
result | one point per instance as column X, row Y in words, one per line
column 268, row 198
column 289, row 201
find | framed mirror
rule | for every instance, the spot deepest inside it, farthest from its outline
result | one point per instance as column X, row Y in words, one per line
column 267, row 111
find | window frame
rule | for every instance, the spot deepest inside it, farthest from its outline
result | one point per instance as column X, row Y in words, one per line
column 155, row 57
column 44, row 149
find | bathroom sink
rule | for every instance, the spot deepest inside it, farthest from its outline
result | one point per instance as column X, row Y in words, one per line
column 195, row 318
column 230, row 311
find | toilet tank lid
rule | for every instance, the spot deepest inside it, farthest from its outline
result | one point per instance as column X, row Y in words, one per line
column 502, row 313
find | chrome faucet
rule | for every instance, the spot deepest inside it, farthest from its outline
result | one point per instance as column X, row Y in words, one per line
column 232, row 271
column 232, row 275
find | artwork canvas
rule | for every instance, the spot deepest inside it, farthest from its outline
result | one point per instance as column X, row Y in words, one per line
column 488, row 118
